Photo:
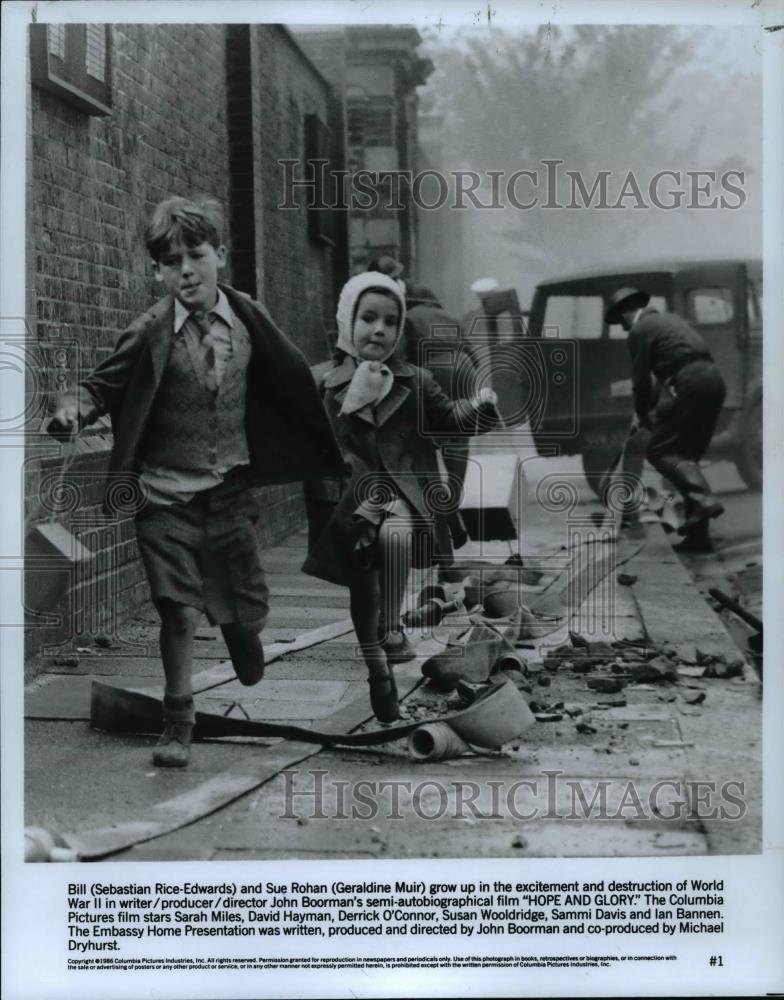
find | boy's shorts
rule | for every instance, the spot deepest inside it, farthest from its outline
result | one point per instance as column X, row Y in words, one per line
column 204, row 553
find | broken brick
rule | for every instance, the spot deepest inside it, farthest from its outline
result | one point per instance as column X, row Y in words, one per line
column 605, row 685
column 654, row 671
column 724, row 670
column 65, row 661
column 601, row 648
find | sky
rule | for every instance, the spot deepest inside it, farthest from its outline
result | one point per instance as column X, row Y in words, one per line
column 721, row 105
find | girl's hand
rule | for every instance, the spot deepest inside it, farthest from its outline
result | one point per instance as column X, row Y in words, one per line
column 484, row 397
column 64, row 424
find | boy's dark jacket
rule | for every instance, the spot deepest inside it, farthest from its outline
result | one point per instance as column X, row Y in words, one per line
column 289, row 435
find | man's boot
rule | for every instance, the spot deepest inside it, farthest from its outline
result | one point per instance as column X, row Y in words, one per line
column 697, row 540
column 632, row 528
column 700, row 504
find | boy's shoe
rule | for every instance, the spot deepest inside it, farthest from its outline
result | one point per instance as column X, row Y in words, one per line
column 384, row 696
column 396, row 647
column 174, row 745
column 246, row 654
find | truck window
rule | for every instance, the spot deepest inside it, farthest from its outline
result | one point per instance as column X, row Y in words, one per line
column 754, row 303
column 707, row 306
column 573, row 317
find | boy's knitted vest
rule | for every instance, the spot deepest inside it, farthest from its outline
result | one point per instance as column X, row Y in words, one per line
column 189, row 427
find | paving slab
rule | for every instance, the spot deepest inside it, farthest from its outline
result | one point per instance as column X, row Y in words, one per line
column 543, row 839
column 277, row 701
column 304, row 616
column 310, row 665
column 76, row 776
column 109, row 666
column 727, row 752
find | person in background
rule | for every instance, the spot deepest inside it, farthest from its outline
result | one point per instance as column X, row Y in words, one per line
column 678, row 394
column 434, row 340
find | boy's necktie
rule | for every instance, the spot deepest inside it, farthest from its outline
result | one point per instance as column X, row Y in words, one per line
column 204, row 326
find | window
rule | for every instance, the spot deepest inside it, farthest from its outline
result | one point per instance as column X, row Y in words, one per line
column 95, row 57
column 754, row 304
column 370, row 123
column 55, row 34
column 321, row 216
column 709, row 306
column 574, row 317
column 73, row 61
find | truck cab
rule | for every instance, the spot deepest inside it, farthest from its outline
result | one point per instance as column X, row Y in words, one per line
column 588, row 411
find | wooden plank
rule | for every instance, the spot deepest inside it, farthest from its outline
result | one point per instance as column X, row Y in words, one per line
column 68, row 698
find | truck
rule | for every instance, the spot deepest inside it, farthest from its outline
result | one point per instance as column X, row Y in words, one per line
column 574, row 381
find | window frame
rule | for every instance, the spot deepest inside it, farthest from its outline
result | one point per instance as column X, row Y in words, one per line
column 723, row 292
column 68, row 77
column 321, row 221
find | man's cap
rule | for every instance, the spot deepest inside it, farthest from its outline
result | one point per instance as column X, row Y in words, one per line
column 625, row 300
column 484, row 285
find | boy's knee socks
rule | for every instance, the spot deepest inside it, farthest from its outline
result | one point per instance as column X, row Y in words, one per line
column 178, row 708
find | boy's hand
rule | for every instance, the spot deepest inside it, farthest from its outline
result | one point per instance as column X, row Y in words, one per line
column 484, row 397
column 64, row 425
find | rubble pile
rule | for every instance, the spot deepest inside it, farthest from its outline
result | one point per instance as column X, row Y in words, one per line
column 491, row 652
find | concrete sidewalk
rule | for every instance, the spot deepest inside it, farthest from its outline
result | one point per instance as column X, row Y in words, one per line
column 298, row 800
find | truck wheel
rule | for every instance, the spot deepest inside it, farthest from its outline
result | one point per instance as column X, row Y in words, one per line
column 748, row 454
column 596, row 462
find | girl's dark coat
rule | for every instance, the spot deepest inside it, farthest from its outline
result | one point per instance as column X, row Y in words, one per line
column 399, row 445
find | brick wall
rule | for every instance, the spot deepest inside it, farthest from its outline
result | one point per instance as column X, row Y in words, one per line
column 298, row 286
column 93, row 182
column 96, row 179
column 325, row 49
